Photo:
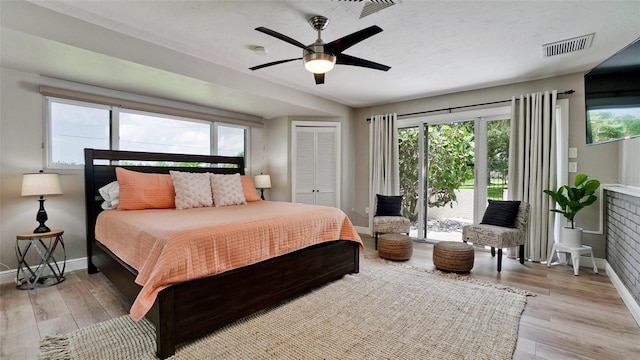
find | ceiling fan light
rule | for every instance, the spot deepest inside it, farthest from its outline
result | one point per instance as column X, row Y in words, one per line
column 319, row 63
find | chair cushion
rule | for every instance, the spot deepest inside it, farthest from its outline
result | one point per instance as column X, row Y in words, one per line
column 501, row 213
column 388, row 205
column 494, row 236
column 391, row 224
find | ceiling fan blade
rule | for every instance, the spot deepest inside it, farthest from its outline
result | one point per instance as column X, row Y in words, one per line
column 343, row 59
column 273, row 63
column 338, row 46
column 285, row 38
column 319, row 78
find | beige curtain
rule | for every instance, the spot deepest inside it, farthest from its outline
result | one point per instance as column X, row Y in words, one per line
column 533, row 165
column 383, row 159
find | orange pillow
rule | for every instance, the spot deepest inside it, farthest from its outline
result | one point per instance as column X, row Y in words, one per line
column 145, row 191
column 250, row 192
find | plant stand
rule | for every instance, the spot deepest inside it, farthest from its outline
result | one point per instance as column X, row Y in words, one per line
column 575, row 255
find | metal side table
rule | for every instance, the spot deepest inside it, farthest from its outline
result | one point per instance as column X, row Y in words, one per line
column 45, row 245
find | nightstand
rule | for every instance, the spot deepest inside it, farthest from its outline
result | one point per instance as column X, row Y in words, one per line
column 44, row 245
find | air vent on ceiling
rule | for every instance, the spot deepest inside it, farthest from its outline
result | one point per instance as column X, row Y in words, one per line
column 567, row 46
column 373, row 6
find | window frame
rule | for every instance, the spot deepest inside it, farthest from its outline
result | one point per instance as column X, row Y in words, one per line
column 48, row 135
column 247, row 141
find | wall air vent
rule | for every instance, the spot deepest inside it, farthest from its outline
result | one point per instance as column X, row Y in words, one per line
column 567, row 46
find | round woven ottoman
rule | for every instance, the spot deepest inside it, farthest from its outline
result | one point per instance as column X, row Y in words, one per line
column 453, row 256
column 395, row 246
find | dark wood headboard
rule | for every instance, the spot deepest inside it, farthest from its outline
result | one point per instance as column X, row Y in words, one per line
column 100, row 169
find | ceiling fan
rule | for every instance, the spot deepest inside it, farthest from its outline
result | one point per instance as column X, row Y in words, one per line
column 319, row 58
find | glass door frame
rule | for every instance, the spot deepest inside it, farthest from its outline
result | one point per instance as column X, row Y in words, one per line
column 480, row 118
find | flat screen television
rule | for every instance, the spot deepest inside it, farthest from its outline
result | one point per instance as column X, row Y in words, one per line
column 612, row 97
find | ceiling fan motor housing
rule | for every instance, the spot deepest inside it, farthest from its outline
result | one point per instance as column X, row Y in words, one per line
column 318, row 61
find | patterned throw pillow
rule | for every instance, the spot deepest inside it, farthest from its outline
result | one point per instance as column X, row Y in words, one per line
column 192, row 189
column 227, row 190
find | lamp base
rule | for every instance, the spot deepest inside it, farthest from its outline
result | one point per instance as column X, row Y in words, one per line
column 41, row 217
column 262, row 194
column 41, row 229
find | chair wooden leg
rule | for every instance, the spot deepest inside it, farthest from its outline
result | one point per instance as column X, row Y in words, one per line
column 499, row 259
column 493, row 251
column 521, row 254
column 376, row 243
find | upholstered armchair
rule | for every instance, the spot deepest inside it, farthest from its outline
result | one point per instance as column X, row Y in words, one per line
column 501, row 228
column 388, row 218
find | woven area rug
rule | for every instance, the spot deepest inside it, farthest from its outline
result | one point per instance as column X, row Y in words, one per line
column 384, row 312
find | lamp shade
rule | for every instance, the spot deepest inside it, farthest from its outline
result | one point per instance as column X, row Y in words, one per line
column 41, row 183
column 262, row 181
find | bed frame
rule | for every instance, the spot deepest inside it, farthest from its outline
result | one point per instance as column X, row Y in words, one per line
column 189, row 310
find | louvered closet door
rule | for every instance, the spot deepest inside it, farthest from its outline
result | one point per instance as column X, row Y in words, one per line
column 316, row 165
column 325, row 166
column 305, row 183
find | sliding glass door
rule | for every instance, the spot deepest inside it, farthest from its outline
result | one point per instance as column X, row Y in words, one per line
column 449, row 167
column 449, row 200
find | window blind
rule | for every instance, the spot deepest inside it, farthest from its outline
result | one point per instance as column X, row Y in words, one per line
column 135, row 105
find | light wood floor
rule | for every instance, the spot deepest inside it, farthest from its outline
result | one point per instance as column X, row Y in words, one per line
column 571, row 317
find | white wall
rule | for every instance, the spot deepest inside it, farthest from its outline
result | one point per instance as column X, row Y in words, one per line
column 629, row 163
column 21, row 138
column 277, row 136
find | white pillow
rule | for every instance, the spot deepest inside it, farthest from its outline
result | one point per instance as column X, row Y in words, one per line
column 110, row 194
column 227, row 190
column 192, row 189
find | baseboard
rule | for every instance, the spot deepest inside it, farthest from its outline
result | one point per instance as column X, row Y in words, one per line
column 624, row 293
column 9, row 276
column 585, row 261
column 362, row 230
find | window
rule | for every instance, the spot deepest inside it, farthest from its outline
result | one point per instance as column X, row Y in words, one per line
column 231, row 140
column 161, row 133
column 73, row 126
column 76, row 126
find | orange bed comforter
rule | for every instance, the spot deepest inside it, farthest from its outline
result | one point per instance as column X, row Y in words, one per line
column 169, row 246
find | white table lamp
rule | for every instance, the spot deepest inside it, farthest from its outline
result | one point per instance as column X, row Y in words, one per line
column 41, row 184
column 262, row 181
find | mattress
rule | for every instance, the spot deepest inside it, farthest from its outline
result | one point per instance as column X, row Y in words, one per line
column 169, row 246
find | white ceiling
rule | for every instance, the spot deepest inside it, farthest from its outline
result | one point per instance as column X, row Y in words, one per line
column 200, row 51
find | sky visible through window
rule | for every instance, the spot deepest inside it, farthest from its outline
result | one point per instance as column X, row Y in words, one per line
column 230, row 140
column 157, row 134
column 75, row 127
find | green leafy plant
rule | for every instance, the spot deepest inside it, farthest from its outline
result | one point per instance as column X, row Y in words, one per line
column 573, row 199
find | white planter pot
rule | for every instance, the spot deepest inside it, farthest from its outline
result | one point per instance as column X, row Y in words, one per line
column 572, row 237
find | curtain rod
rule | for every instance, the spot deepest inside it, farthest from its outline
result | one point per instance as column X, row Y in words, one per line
column 568, row 92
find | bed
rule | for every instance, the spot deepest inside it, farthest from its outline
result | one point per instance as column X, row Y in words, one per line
column 188, row 310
